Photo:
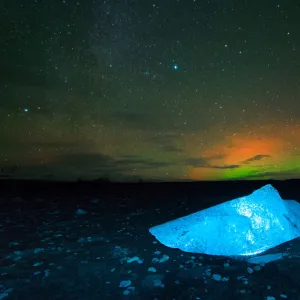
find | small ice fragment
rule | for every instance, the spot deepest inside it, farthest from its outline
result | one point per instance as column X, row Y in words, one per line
column 133, row 259
column 164, row 258
column 159, row 283
column 264, row 259
column 14, row 244
column 283, row 296
column 3, row 295
column 151, row 269
column 250, row 270
column 217, row 277
column 37, row 250
column 80, row 212
column 125, row 283
column 129, row 290
column 36, row 273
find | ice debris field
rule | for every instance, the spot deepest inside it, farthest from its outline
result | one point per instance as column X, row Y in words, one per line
column 235, row 250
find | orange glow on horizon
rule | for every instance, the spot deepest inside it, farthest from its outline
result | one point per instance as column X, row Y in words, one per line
column 272, row 147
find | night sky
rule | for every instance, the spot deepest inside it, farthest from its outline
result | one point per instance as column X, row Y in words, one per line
column 152, row 90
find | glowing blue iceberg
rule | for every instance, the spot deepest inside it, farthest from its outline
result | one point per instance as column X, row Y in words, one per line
column 244, row 226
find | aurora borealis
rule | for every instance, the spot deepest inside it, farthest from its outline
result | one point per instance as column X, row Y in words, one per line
column 152, row 90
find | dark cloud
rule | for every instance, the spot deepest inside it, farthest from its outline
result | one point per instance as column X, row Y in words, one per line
column 140, row 163
column 8, row 171
column 5, row 176
column 67, row 145
column 203, row 162
column 61, row 146
column 224, row 167
column 171, row 148
column 73, row 166
column 156, row 126
column 90, row 165
column 292, row 173
column 255, row 158
column 206, row 162
column 129, row 159
column 89, row 161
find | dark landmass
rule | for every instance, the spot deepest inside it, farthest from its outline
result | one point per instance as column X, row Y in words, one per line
column 234, row 188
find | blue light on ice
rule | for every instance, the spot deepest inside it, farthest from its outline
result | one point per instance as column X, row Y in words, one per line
column 244, row 226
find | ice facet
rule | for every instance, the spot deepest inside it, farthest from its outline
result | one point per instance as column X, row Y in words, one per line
column 244, row 226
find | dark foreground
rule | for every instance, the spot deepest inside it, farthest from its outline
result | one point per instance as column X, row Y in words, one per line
column 91, row 241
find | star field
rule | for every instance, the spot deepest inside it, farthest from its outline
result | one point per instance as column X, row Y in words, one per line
column 167, row 90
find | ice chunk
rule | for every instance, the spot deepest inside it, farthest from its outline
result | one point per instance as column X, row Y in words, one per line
column 264, row 259
column 80, row 212
column 244, row 226
column 125, row 283
column 217, row 277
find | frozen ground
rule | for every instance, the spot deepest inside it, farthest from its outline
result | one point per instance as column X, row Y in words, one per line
column 77, row 246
